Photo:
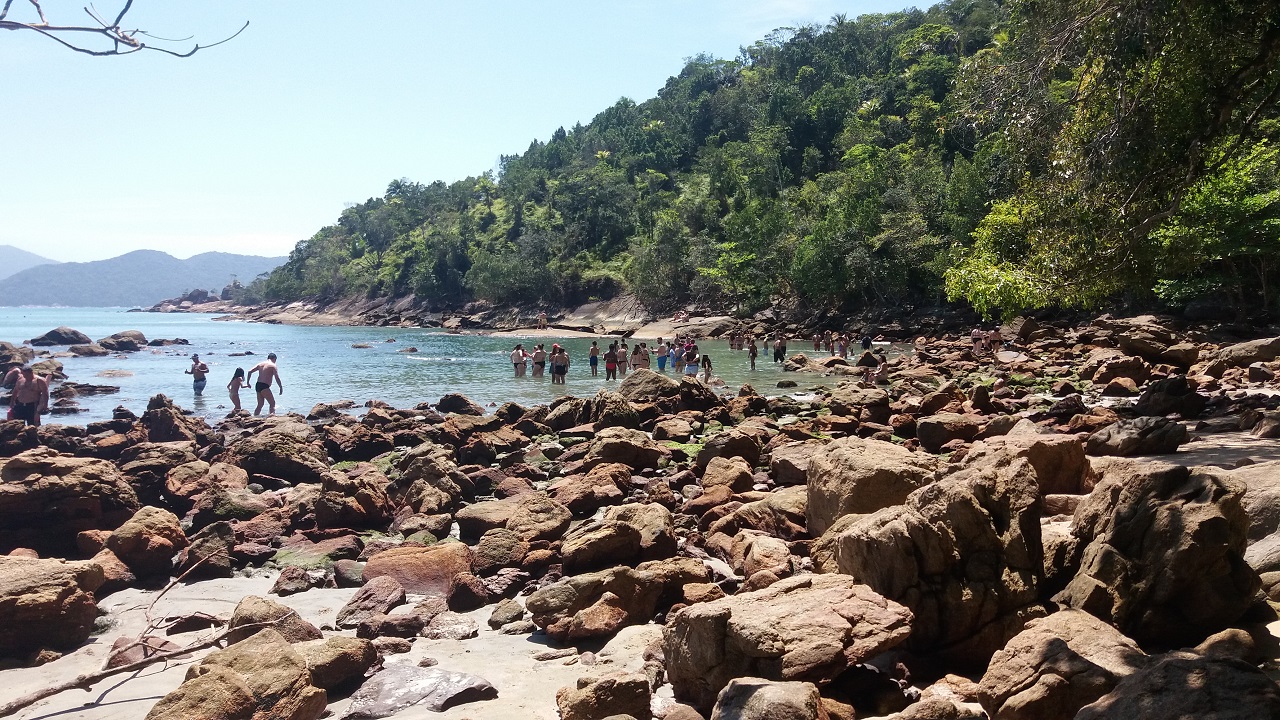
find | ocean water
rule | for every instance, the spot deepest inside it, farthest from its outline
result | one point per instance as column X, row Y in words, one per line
column 318, row 364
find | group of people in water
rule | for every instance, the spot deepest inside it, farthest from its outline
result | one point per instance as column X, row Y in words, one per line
column 267, row 372
column 682, row 354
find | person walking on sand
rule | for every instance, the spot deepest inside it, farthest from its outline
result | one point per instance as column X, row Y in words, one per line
column 593, row 357
column 518, row 359
column 30, row 397
column 542, row 320
column 198, row 372
column 267, row 372
column 233, row 388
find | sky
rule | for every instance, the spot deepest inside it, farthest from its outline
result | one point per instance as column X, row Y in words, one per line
column 253, row 145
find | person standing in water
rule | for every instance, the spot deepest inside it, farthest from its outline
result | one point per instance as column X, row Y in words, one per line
column 518, row 359
column 611, row 362
column 661, row 352
column 233, row 388
column 559, row 364
column 30, row 397
column 593, row 358
column 267, row 372
column 539, row 360
column 752, row 351
column 198, row 372
column 706, row 368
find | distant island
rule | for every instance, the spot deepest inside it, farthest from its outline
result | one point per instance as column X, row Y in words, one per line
column 14, row 260
column 139, row 278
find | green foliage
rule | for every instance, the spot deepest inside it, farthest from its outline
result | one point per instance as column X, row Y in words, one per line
column 1009, row 153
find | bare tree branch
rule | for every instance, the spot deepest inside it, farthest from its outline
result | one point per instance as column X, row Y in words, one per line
column 122, row 41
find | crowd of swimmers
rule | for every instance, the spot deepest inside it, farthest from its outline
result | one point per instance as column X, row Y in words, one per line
column 682, row 355
column 267, row 371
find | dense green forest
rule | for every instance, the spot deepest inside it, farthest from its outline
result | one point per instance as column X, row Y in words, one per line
column 1013, row 155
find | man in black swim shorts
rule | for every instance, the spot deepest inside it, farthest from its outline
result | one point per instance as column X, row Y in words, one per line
column 267, row 371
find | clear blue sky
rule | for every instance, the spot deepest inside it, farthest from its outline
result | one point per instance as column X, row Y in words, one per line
column 254, row 145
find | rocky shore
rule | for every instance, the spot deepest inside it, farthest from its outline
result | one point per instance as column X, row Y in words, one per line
column 1085, row 526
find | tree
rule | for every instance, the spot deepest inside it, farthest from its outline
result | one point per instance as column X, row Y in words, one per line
column 113, row 38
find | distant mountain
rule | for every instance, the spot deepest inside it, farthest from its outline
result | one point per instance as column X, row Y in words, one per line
column 14, row 260
column 139, row 278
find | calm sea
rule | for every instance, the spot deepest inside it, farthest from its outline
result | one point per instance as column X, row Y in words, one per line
column 318, row 364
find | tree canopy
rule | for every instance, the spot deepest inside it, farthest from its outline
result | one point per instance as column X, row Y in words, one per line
column 1010, row 154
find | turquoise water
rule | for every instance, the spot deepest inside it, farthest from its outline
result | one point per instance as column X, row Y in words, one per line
column 318, row 364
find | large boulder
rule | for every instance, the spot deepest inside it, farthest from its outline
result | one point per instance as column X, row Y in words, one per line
column 148, row 542
column 653, row 522
column 1161, row 551
column 421, row 570
column 807, row 628
column 355, row 499
column 1059, row 460
column 253, row 613
column 1246, row 353
column 593, row 546
column 603, row 485
column 60, row 336
column 46, row 604
column 532, row 516
column 859, row 476
column 867, row 404
column 147, row 466
column 935, row 431
column 598, row 698
column 280, row 454
column 378, row 596
column 598, row 604
column 337, row 661
column 1187, row 685
column 1056, row 666
column 47, row 498
column 124, row 341
column 1170, row 395
column 1140, row 436
column 623, row 445
column 751, row 698
column 260, row 678
column 647, row 386
column 403, row 686
column 963, row 554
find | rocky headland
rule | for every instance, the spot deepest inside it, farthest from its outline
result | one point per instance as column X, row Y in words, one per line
column 1085, row 525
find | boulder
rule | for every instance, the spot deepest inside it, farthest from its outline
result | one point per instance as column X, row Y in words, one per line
column 535, row 516
column 356, row 442
column 46, row 498
column 60, row 336
column 337, row 661
column 253, row 613
column 46, row 604
column 733, row 473
column 355, row 499
column 593, row 546
column 279, row 453
column 260, row 678
column 1058, row 460
column 859, row 476
column 869, row 404
column 421, row 570
column 1056, row 666
column 1185, row 685
column 647, row 386
column 148, row 464
column 789, row 462
column 654, row 523
column 148, row 542
column 124, row 341
column 963, row 554
column 1171, row 395
column 184, row 483
column 623, row 445
column 378, row 595
column 498, row 548
column 807, row 628
column 401, row 686
column 752, row 698
column 584, row 494
column 164, row 422
column 935, row 431
column 16, row 436
column 597, row 698
column 459, row 404
column 1246, row 353
column 1140, row 436
column 733, row 443
column 1162, row 552
column 613, row 410
column 598, row 604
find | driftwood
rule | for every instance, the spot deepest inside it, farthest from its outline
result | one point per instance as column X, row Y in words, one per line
column 87, row 680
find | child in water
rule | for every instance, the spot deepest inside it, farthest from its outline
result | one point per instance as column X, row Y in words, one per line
column 233, row 388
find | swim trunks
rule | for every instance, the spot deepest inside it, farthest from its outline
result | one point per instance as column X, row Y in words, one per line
column 25, row 411
column 261, row 386
column 198, row 385
column 593, row 360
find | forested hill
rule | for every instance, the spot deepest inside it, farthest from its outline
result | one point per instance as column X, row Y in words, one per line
column 1012, row 154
